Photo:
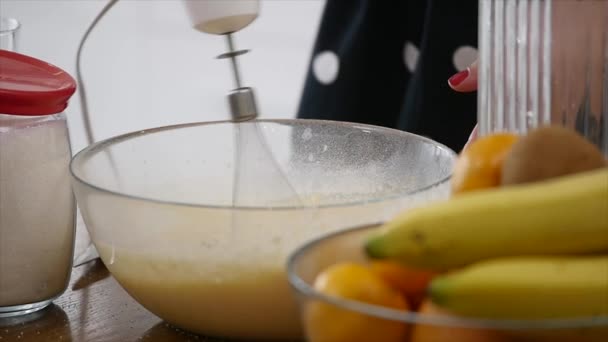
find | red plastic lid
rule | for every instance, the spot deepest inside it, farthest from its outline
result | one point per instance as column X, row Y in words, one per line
column 29, row 86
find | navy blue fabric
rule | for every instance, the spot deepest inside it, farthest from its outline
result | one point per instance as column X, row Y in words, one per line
column 373, row 84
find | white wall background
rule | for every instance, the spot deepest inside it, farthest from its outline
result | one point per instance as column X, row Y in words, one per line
column 144, row 66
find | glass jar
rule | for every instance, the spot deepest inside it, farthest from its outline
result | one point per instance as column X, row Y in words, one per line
column 544, row 62
column 37, row 207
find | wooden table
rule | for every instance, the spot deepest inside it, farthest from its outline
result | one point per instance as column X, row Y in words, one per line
column 94, row 308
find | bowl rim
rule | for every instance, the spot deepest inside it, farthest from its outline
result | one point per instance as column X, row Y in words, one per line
column 303, row 289
column 97, row 147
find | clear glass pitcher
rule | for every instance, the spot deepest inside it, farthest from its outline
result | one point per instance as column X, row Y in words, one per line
column 541, row 62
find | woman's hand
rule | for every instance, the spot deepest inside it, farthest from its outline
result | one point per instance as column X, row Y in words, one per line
column 466, row 81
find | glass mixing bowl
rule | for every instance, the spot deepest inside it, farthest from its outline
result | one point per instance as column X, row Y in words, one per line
column 310, row 259
column 158, row 205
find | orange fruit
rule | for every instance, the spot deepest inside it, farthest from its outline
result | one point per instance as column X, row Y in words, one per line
column 324, row 322
column 479, row 165
column 411, row 282
column 436, row 333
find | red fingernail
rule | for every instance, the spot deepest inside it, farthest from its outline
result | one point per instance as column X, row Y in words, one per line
column 455, row 80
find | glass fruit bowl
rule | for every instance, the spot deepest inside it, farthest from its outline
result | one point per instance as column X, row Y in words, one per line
column 430, row 324
column 160, row 209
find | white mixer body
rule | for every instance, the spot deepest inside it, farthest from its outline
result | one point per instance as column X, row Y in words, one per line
column 221, row 16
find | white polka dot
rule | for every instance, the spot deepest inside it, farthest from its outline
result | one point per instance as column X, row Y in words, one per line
column 410, row 56
column 325, row 67
column 463, row 57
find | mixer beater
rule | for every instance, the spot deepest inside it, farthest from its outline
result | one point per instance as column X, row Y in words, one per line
column 258, row 177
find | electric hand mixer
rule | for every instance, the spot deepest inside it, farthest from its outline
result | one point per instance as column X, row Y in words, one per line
column 258, row 176
column 256, row 170
column 225, row 18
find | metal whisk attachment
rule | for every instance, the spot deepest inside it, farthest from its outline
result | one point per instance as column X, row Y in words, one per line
column 241, row 99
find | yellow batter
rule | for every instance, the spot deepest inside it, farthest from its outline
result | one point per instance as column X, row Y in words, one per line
column 212, row 272
column 244, row 302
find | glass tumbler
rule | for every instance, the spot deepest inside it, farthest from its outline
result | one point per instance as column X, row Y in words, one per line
column 544, row 62
column 9, row 30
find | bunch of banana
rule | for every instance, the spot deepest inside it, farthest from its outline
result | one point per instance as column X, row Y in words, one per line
column 525, row 251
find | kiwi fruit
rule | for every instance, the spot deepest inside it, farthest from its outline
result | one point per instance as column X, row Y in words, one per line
column 548, row 152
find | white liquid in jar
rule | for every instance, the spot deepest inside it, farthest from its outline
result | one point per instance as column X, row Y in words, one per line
column 36, row 210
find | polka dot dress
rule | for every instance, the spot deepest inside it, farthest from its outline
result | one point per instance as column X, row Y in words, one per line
column 387, row 63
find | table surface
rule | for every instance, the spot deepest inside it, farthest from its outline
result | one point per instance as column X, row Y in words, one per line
column 94, row 308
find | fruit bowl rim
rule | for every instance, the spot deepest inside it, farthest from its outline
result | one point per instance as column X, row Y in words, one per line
column 305, row 292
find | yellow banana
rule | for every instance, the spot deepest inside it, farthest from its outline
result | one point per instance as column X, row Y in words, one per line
column 527, row 288
column 564, row 215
